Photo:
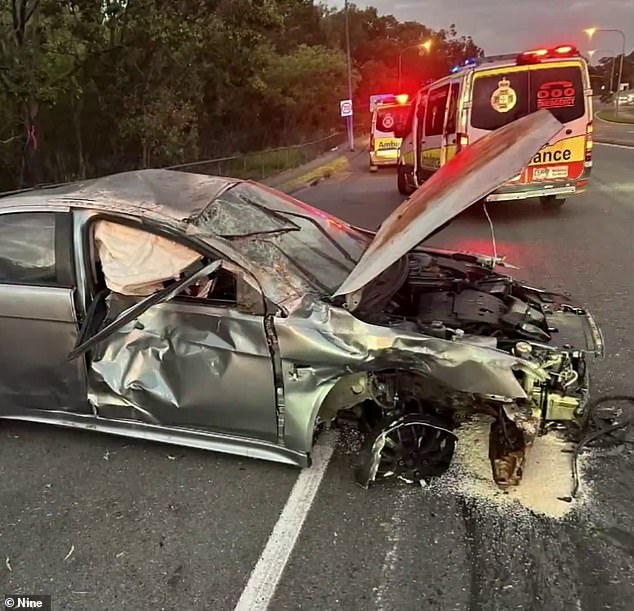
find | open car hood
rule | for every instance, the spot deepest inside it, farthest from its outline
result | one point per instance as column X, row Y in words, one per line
column 467, row 178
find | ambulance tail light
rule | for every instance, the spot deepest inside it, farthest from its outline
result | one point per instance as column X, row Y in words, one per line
column 402, row 98
column 462, row 140
column 589, row 129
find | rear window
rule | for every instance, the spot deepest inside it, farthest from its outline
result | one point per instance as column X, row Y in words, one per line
column 502, row 98
column 388, row 118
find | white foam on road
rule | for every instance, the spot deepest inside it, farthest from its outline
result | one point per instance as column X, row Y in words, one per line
column 546, row 481
column 267, row 573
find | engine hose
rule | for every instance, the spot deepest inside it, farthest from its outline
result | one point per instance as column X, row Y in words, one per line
column 589, row 437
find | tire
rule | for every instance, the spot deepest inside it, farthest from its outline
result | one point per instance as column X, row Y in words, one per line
column 550, row 202
column 401, row 181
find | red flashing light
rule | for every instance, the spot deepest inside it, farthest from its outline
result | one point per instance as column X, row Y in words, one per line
column 536, row 53
column 402, row 98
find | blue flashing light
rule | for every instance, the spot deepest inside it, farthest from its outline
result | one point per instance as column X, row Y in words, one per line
column 455, row 69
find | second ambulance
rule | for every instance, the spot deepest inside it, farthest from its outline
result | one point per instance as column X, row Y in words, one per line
column 486, row 94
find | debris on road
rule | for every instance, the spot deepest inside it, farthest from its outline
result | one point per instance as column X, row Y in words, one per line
column 70, row 553
column 547, row 474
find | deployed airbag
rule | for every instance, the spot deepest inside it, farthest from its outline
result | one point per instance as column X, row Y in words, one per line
column 136, row 262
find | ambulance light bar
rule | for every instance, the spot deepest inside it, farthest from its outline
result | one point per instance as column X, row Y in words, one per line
column 536, row 55
column 401, row 98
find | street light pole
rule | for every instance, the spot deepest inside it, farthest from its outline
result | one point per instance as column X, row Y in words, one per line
column 425, row 45
column 591, row 32
column 350, row 119
column 618, row 83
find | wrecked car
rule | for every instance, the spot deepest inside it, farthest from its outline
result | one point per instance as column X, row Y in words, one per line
column 221, row 314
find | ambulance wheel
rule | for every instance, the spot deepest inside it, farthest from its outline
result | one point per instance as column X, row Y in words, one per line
column 550, row 202
column 401, row 181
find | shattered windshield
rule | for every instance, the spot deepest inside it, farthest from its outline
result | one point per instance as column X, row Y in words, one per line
column 280, row 233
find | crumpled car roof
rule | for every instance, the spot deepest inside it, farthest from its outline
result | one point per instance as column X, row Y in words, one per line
column 160, row 193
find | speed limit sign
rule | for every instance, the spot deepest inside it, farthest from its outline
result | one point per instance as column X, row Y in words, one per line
column 346, row 108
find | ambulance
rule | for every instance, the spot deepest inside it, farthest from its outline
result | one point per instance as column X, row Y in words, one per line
column 487, row 93
column 389, row 112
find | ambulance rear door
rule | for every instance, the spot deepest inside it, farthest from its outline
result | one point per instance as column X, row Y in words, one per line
column 502, row 95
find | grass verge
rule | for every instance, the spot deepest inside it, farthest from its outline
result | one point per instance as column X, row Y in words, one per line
column 326, row 170
column 624, row 117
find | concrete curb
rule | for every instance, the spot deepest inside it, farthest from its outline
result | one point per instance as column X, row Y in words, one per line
column 315, row 171
column 611, row 121
column 316, row 175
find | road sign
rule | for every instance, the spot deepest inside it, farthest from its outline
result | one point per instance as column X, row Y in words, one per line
column 346, row 108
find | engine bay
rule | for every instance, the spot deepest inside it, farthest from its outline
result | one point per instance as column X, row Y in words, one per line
column 458, row 297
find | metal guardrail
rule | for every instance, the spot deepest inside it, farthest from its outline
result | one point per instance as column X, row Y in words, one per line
column 263, row 164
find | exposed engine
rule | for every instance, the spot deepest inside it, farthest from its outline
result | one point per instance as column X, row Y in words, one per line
column 459, row 298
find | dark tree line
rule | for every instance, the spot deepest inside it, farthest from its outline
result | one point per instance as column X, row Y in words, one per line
column 89, row 87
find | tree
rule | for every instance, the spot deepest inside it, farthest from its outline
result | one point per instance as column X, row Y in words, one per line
column 92, row 87
column 302, row 89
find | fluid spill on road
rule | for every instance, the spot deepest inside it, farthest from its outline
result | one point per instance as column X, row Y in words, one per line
column 547, row 475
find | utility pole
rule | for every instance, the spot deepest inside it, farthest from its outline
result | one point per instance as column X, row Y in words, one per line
column 350, row 119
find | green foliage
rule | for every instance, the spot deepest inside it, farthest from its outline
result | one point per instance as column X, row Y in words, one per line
column 88, row 88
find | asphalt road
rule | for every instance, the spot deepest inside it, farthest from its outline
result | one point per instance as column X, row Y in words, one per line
column 156, row 527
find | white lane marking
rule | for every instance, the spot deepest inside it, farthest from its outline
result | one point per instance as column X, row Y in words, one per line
column 268, row 570
column 620, row 146
column 390, row 560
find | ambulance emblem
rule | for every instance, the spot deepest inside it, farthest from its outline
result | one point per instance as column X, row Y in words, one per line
column 504, row 97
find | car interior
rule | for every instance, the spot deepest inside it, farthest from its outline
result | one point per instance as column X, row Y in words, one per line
column 219, row 289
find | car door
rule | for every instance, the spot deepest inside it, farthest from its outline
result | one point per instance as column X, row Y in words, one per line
column 180, row 361
column 432, row 141
column 419, row 134
column 38, row 320
column 449, row 142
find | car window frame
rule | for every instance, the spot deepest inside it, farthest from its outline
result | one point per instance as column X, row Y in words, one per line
column 439, row 124
column 199, row 246
column 453, row 107
column 63, row 248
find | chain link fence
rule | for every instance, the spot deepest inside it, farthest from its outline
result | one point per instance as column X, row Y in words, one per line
column 264, row 164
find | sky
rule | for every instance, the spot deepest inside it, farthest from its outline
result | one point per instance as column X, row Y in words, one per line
column 507, row 26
